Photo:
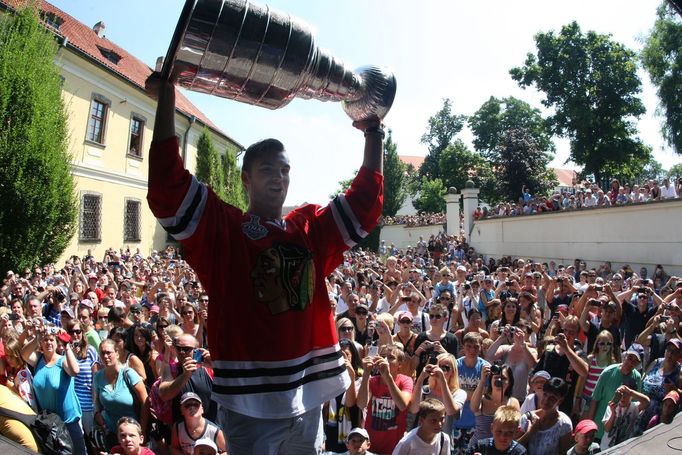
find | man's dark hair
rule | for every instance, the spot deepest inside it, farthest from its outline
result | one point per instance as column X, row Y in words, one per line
column 259, row 149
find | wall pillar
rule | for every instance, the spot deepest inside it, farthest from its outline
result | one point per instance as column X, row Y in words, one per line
column 470, row 202
column 452, row 211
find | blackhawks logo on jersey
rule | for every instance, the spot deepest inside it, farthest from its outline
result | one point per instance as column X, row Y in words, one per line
column 283, row 278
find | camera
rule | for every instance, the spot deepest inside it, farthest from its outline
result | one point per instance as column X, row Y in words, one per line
column 498, row 382
column 509, row 283
column 51, row 330
column 467, row 287
column 559, row 280
column 433, row 359
column 617, row 397
column 495, row 369
column 599, row 288
column 665, row 318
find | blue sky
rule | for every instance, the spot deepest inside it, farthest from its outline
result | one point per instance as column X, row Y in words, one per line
column 437, row 49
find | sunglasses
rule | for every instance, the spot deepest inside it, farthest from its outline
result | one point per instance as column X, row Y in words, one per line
column 445, row 368
column 361, row 312
column 405, row 321
column 346, row 329
column 184, row 313
column 604, row 343
column 184, row 349
column 435, row 316
column 134, row 311
column 75, row 332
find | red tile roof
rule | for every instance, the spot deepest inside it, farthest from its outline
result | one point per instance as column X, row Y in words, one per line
column 415, row 161
column 566, row 177
column 84, row 39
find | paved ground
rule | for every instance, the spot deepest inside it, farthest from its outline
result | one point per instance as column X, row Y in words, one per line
column 8, row 447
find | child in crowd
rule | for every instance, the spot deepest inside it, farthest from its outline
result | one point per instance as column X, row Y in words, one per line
column 427, row 438
column 584, row 439
column 537, row 382
column 668, row 409
column 504, row 427
column 622, row 415
column 130, row 438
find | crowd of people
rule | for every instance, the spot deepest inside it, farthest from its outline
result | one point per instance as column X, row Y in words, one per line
column 421, row 219
column 585, row 196
column 447, row 353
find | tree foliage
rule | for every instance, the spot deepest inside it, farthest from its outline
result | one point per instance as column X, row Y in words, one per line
column 662, row 58
column 440, row 131
column 591, row 82
column 518, row 161
column 675, row 171
column 497, row 116
column 39, row 210
column 233, row 189
column 458, row 164
column 431, row 196
column 653, row 170
column 209, row 166
column 394, row 178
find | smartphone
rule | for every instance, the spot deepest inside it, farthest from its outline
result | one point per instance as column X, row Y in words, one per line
column 197, row 355
column 373, row 351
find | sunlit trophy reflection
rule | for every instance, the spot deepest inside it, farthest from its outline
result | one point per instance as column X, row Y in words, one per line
column 250, row 53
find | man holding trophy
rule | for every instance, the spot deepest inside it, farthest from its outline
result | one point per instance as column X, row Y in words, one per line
column 265, row 273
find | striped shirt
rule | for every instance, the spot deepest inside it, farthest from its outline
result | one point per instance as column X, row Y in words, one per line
column 592, row 376
column 83, row 381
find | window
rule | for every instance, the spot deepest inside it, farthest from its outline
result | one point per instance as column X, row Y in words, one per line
column 51, row 19
column 97, row 122
column 131, row 221
column 91, row 211
column 135, row 142
column 109, row 54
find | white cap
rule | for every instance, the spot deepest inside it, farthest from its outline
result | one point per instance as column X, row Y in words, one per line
column 361, row 431
column 206, row 442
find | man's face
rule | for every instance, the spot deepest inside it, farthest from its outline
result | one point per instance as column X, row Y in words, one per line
column 267, row 182
column 357, row 445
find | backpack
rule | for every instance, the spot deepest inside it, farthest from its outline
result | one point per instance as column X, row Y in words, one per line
column 47, row 428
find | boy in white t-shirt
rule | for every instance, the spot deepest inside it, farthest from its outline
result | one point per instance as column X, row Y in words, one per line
column 622, row 415
column 427, row 438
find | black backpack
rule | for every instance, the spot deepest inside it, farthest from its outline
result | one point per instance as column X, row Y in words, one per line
column 47, row 428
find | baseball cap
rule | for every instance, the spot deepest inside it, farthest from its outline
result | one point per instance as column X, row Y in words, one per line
column 74, row 296
column 405, row 314
column 135, row 307
column 541, row 374
column 87, row 303
column 361, row 431
column 635, row 349
column 69, row 312
column 585, row 426
column 676, row 342
column 206, row 442
column 154, row 309
column 189, row 396
column 461, row 268
column 672, row 395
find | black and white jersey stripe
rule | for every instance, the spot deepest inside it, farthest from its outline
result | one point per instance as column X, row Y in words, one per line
column 187, row 217
column 350, row 228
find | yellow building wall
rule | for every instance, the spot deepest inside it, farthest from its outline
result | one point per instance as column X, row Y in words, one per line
column 107, row 169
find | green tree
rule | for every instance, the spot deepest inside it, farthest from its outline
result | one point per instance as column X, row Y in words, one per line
column 394, row 178
column 459, row 164
column 233, row 189
column 662, row 58
column 518, row 161
column 653, row 170
column 431, row 196
column 497, row 116
column 442, row 127
column 675, row 171
column 591, row 83
column 209, row 166
column 39, row 204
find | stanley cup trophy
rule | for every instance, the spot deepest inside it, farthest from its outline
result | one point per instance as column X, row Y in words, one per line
column 243, row 51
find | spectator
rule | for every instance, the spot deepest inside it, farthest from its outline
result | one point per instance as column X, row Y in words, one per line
column 609, row 380
column 357, row 443
column 434, row 341
column 622, row 415
column 130, row 438
column 119, row 336
column 118, row 391
column 668, row 409
column 428, row 438
column 386, row 398
column 504, row 427
column 140, row 345
column 14, row 429
column 662, row 376
column 53, row 380
column 194, row 426
column 513, row 349
column 547, row 430
column 604, row 353
column 667, row 190
column 584, row 439
column 537, row 383
column 85, row 309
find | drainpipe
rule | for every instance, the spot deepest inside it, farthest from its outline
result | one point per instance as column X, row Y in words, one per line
column 192, row 119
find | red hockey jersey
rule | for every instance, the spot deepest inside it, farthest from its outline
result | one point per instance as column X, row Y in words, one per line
column 271, row 330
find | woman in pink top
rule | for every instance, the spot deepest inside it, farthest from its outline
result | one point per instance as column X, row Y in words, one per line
column 604, row 353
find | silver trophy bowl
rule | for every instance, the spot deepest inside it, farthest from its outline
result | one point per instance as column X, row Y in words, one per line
column 239, row 50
